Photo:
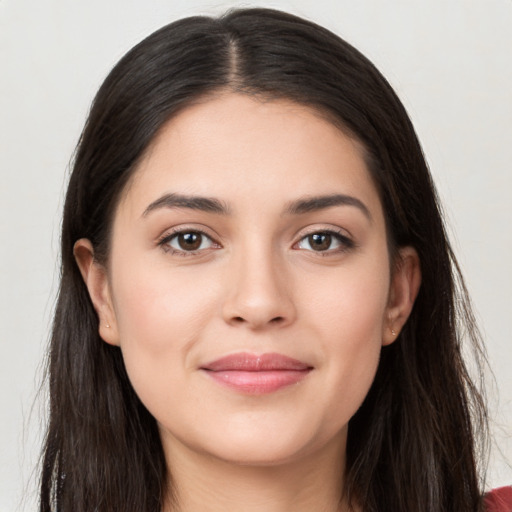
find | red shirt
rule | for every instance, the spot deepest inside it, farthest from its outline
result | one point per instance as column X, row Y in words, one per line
column 499, row 500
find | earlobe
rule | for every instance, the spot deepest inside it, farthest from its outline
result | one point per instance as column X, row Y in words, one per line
column 404, row 288
column 95, row 279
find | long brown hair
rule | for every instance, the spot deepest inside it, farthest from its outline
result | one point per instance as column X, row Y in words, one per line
column 412, row 446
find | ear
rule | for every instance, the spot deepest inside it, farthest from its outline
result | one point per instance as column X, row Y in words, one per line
column 95, row 278
column 404, row 288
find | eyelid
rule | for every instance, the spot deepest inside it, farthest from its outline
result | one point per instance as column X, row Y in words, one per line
column 169, row 234
column 342, row 235
column 346, row 240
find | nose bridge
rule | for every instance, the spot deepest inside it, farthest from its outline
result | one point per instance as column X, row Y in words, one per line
column 259, row 291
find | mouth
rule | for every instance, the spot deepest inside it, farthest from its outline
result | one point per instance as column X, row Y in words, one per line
column 256, row 374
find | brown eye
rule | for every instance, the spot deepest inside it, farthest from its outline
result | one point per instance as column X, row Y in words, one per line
column 189, row 241
column 325, row 241
column 320, row 241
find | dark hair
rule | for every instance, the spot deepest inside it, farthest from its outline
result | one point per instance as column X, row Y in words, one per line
column 412, row 445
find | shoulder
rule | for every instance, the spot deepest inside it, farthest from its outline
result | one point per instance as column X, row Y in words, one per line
column 499, row 500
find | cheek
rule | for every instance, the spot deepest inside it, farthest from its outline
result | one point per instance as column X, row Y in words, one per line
column 160, row 317
column 350, row 303
column 154, row 307
column 349, row 317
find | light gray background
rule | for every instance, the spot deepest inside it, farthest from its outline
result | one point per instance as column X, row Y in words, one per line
column 449, row 60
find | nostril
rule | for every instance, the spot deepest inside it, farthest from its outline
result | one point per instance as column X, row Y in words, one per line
column 275, row 320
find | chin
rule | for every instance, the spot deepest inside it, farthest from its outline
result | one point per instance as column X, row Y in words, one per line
column 262, row 444
column 272, row 454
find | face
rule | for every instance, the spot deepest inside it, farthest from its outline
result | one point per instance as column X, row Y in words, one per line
column 249, row 284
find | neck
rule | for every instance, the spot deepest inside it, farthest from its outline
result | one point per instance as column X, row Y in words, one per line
column 202, row 483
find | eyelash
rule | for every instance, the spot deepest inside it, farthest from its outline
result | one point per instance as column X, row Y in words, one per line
column 164, row 241
column 346, row 244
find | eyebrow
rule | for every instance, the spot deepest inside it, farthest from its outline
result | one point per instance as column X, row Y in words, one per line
column 315, row 203
column 213, row 205
column 204, row 204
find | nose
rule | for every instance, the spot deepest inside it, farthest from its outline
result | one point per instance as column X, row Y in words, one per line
column 260, row 294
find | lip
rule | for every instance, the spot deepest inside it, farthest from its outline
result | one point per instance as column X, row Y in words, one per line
column 256, row 374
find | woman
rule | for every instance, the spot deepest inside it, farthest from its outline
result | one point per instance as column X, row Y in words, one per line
column 259, row 307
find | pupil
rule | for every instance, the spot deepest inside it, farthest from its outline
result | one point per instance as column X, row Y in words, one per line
column 320, row 241
column 189, row 241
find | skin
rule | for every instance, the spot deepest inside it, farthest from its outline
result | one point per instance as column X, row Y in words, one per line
column 255, row 285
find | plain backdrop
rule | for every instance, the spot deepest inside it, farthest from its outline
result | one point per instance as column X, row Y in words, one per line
column 450, row 62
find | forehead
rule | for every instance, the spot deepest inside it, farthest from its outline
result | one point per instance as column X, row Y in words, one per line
column 240, row 148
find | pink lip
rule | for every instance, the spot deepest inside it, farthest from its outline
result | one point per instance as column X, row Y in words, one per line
column 257, row 374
